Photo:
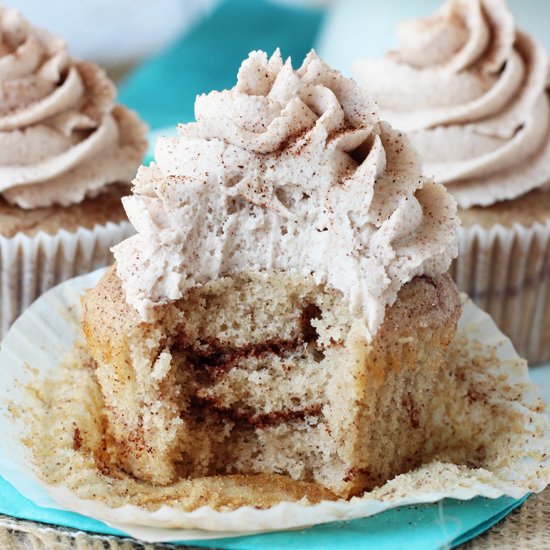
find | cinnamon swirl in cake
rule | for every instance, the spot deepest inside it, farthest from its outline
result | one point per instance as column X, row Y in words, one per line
column 283, row 308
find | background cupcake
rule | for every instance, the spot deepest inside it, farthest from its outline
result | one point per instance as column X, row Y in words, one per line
column 471, row 91
column 67, row 154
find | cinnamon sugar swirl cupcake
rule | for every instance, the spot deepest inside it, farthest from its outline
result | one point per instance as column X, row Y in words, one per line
column 284, row 307
column 471, row 92
column 67, row 154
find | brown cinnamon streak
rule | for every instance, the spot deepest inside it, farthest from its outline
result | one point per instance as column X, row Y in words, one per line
column 217, row 358
column 252, row 419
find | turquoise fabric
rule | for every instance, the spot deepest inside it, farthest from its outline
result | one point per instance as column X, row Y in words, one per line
column 163, row 90
column 425, row 527
column 421, row 527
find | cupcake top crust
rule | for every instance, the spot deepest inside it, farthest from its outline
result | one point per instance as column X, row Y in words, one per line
column 62, row 138
column 290, row 170
column 471, row 91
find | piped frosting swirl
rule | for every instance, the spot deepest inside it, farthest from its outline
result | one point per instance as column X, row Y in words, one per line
column 470, row 90
column 289, row 170
column 61, row 136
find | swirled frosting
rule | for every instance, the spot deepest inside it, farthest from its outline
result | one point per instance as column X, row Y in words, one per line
column 289, row 170
column 61, row 136
column 470, row 90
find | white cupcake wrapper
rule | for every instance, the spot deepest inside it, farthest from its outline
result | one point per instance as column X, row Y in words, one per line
column 46, row 332
column 506, row 272
column 30, row 265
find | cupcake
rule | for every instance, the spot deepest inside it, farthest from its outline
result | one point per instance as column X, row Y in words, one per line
column 284, row 307
column 67, row 155
column 471, row 92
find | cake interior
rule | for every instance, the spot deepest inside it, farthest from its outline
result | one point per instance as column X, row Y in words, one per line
column 259, row 364
column 270, row 373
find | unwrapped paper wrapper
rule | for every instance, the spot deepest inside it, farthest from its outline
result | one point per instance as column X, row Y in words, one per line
column 46, row 333
column 506, row 272
column 30, row 265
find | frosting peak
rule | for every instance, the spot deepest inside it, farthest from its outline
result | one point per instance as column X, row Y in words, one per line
column 61, row 136
column 289, row 170
column 470, row 90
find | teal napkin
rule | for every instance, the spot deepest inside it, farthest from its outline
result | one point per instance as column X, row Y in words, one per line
column 163, row 91
column 425, row 527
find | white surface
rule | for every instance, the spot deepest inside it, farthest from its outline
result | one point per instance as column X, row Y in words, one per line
column 366, row 28
column 45, row 333
column 114, row 31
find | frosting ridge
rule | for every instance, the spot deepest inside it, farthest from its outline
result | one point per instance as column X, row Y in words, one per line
column 62, row 138
column 289, row 170
column 470, row 90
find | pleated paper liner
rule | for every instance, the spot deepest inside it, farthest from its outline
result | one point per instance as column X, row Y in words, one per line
column 506, row 271
column 30, row 265
column 497, row 439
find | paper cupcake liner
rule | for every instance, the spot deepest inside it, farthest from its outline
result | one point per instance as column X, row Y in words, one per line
column 30, row 265
column 506, row 272
column 481, row 359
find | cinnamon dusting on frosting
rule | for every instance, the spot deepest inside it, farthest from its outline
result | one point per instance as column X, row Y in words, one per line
column 289, row 170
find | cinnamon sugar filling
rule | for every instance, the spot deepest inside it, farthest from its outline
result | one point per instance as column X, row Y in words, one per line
column 210, row 360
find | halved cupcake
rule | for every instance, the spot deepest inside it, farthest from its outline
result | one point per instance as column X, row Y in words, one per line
column 284, row 307
column 471, row 92
column 67, row 155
